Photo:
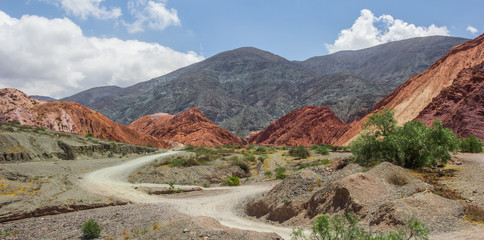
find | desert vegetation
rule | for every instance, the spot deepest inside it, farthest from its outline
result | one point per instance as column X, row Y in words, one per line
column 412, row 145
column 346, row 227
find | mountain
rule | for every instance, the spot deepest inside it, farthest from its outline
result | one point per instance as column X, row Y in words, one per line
column 43, row 98
column 67, row 117
column 418, row 92
column 460, row 106
column 305, row 126
column 190, row 127
column 246, row 89
column 92, row 95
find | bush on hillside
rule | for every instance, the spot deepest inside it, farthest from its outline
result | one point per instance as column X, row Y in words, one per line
column 346, row 228
column 322, row 151
column 412, row 145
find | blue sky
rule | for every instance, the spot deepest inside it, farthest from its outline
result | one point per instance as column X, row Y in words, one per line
column 166, row 35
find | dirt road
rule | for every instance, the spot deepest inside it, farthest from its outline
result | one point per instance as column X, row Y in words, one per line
column 225, row 205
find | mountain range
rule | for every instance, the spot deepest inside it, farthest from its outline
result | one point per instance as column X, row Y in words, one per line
column 246, row 89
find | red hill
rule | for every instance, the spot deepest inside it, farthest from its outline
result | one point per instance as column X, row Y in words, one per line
column 190, row 127
column 305, row 126
column 67, row 117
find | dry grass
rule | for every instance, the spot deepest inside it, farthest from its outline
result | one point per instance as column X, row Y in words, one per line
column 398, row 179
column 474, row 213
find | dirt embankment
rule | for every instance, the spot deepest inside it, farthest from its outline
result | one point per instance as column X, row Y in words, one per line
column 384, row 198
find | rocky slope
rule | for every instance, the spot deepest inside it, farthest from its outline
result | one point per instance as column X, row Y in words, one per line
column 383, row 198
column 418, row 92
column 305, row 126
column 460, row 106
column 20, row 143
column 190, row 127
column 246, row 89
column 67, row 117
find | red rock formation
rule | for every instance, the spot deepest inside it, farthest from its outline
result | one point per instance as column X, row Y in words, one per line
column 305, row 126
column 416, row 93
column 460, row 106
column 67, row 117
column 190, row 127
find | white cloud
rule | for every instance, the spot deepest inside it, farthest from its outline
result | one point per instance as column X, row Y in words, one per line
column 472, row 29
column 368, row 31
column 152, row 14
column 52, row 57
column 85, row 8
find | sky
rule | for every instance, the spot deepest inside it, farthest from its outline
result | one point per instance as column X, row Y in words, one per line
column 60, row 47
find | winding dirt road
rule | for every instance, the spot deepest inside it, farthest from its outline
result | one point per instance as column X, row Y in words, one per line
column 225, row 206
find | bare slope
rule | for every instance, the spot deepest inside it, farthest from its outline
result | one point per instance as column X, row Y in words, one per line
column 246, row 89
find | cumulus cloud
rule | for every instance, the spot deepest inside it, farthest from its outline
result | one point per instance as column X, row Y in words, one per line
column 85, row 8
column 369, row 30
column 472, row 29
column 151, row 14
column 52, row 57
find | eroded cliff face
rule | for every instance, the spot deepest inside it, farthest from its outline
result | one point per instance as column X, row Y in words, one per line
column 305, row 126
column 190, row 127
column 67, row 117
column 412, row 97
column 460, row 106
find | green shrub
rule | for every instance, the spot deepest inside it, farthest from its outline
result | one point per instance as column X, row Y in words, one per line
column 314, row 147
column 280, row 173
column 471, row 144
column 114, row 144
column 412, row 146
column 346, row 228
column 322, row 151
column 268, row 174
column 91, row 229
column 261, row 159
column 260, row 150
column 231, row 181
column 299, row 151
column 110, row 154
column 89, row 135
column 242, row 165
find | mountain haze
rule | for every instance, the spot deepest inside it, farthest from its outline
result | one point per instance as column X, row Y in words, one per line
column 245, row 89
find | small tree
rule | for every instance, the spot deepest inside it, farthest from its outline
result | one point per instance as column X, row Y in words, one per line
column 471, row 144
column 91, row 229
column 412, row 146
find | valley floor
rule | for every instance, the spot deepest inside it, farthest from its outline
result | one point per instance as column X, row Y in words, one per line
column 213, row 213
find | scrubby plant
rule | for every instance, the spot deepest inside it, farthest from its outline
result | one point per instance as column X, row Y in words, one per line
column 346, row 227
column 89, row 135
column 322, row 151
column 231, row 181
column 268, row 174
column 249, row 158
column 261, row 159
column 114, row 144
column 260, row 150
column 280, row 173
column 184, row 162
column 412, row 145
column 471, row 144
column 91, row 229
column 299, row 151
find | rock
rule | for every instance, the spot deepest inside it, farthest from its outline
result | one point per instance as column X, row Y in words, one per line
column 305, row 126
column 460, row 105
column 190, row 127
column 413, row 96
column 186, row 230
